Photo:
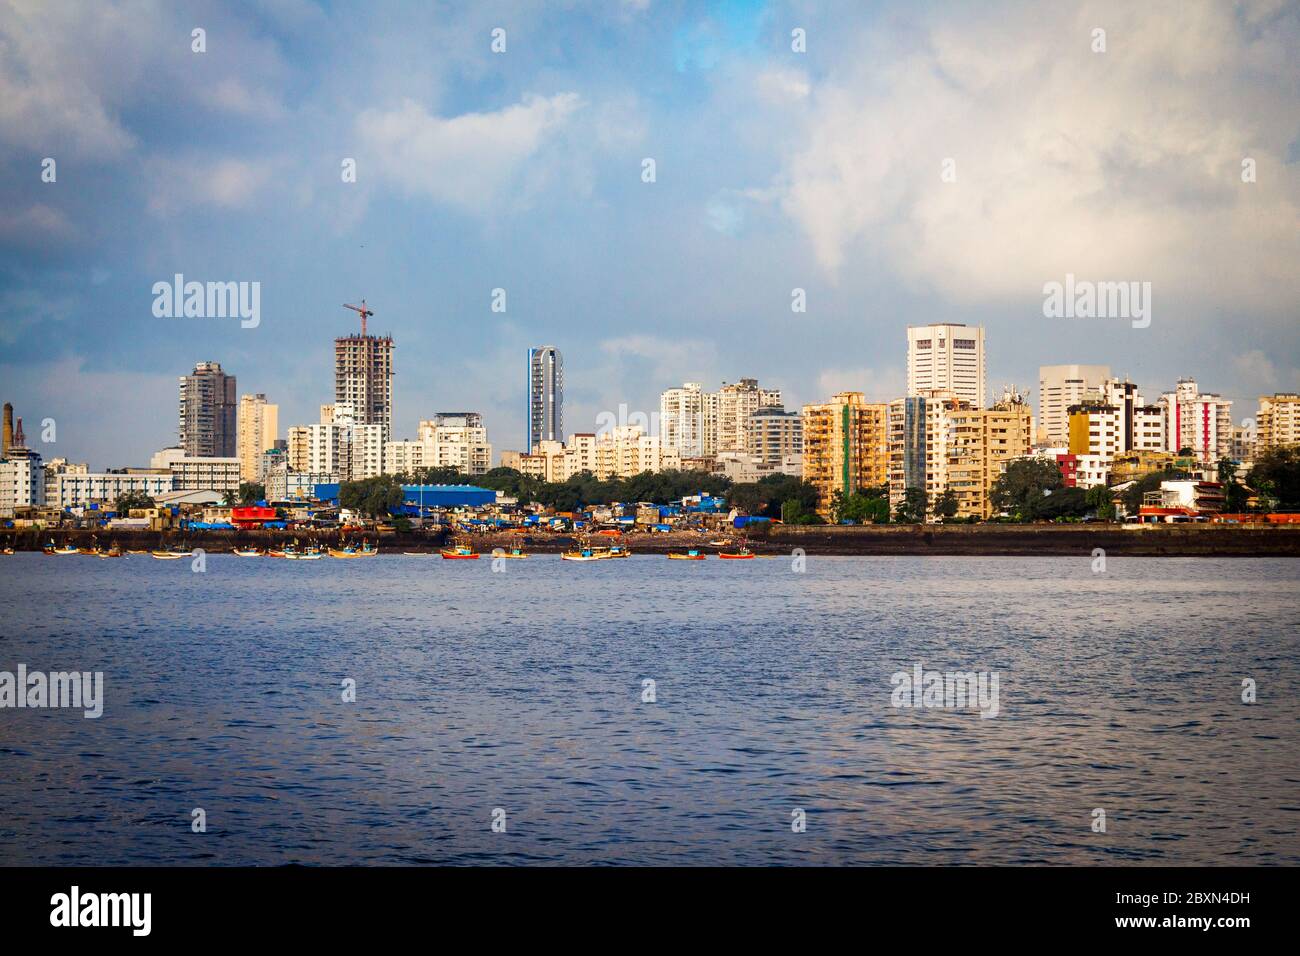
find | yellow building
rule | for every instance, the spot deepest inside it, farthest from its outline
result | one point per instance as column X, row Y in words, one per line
column 1277, row 422
column 258, row 428
column 979, row 444
column 844, row 447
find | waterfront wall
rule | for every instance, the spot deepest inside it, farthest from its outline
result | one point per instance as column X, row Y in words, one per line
column 1182, row 540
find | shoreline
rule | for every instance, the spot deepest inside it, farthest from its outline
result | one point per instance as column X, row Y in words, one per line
column 1008, row 540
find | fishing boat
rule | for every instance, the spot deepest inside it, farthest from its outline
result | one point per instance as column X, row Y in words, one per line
column 68, row 548
column 114, row 551
column 744, row 554
column 586, row 554
column 459, row 553
column 247, row 553
column 6, row 550
column 311, row 553
column 719, row 544
column 134, row 551
column 617, row 551
column 691, row 555
column 172, row 554
column 513, row 553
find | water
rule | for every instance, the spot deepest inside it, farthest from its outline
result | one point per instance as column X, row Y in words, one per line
column 522, row 690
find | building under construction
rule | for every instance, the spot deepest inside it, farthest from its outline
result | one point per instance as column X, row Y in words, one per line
column 363, row 375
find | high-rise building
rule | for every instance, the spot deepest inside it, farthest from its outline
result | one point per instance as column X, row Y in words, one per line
column 947, row 356
column 208, row 413
column 844, row 447
column 259, row 424
column 448, row 440
column 699, row 424
column 363, row 378
column 545, row 395
column 919, row 435
column 736, row 402
column 773, row 435
column 1059, row 387
column 341, row 446
column 1277, row 423
column 688, row 420
column 1197, row 420
column 980, row 442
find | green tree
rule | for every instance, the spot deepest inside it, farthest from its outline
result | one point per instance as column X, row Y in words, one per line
column 251, row 492
column 1102, row 500
column 911, row 510
column 128, row 500
column 946, row 505
column 373, row 497
column 1023, row 485
column 1277, row 474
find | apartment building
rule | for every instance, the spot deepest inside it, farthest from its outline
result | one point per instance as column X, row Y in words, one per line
column 918, row 437
column 1277, row 422
column 844, row 446
column 1198, row 420
column 978, row 445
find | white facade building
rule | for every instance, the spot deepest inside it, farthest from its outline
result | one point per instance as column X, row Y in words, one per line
column 77, row 490
column 947, row 356
column 22, row 480
column 1059, row 388
column 1197, row 420
column 205, row 474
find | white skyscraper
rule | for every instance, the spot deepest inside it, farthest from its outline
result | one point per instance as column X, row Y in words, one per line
column 947, row 357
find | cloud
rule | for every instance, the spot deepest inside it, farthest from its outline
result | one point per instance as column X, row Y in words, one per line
column 877, row 385
column 1117, row 165
column 470, row 161
column 225, row 183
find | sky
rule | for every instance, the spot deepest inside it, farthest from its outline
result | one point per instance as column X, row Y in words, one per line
column 914, row 162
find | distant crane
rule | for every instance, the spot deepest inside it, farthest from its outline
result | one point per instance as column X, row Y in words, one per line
column 364, row 314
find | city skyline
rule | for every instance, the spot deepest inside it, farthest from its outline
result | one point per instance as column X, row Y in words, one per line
column 641, row 284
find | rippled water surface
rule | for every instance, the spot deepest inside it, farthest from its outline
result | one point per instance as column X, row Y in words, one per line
column 522, row 690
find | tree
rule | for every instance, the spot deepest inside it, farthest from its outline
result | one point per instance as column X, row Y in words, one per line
column 1277, row 474
column 1023, row 485
column 373, row 497
column 1135, row 494
column 1062, row 503
column 1102, row 500
column 946, row 504
column 911, row 510
column 128, row 500
column 250, row 492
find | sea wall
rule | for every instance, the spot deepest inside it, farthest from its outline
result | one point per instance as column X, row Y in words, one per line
column 1182, row 540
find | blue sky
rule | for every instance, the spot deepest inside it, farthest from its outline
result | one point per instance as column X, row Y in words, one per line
column 522, row 170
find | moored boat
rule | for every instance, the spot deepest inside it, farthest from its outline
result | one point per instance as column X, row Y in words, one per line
column 691, row 555
column 459, row 554
column 744, row 554
column 247, row 553
column 512, row 553
column 174, row 554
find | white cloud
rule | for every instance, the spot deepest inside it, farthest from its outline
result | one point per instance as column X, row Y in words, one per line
column 1121, row 165
column 470, row 160
column 226, row 183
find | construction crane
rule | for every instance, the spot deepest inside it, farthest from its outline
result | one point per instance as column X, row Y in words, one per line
column 364, row 314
